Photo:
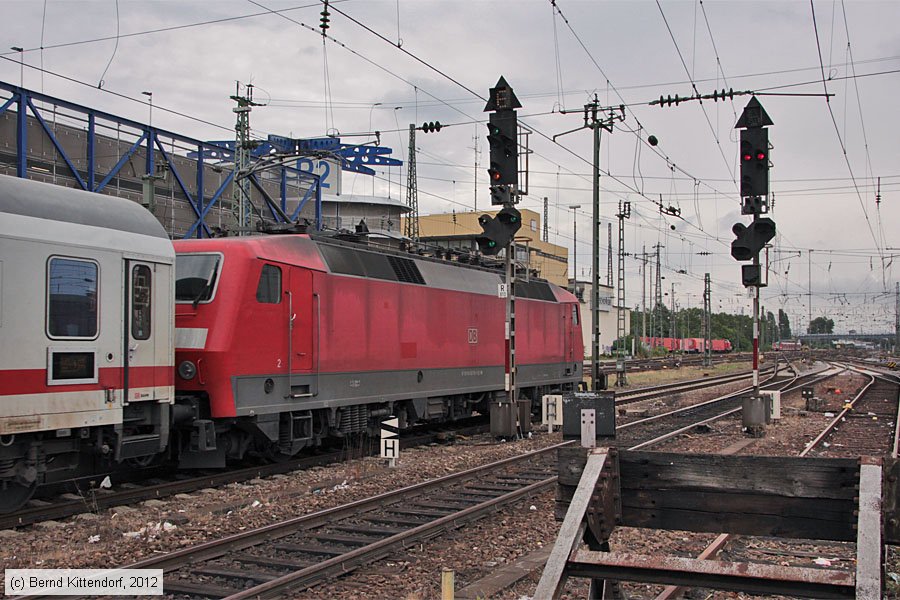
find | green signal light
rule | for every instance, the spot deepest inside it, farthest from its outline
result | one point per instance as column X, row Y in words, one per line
column 491, row 244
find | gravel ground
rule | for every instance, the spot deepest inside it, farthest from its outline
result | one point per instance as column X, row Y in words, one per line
column 125, row 535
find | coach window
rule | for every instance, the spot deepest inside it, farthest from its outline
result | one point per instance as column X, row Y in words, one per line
column 140, row 302
column 269, row 289
column 72, row 298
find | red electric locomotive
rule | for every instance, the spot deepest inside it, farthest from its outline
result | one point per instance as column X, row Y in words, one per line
column 285, row 340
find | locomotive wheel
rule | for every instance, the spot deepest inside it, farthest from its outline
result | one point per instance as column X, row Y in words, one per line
column 14, row 495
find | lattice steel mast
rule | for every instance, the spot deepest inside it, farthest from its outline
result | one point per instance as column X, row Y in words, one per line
column 243, row 146
column 707, row 322
column 624, row 213
column 412, row 190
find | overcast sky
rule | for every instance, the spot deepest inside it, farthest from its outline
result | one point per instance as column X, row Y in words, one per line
column 827, row 156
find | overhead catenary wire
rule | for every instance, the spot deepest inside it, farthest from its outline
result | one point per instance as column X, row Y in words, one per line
column 838, row 132
column 112, row 56
column 701, row 194
column 712, row 129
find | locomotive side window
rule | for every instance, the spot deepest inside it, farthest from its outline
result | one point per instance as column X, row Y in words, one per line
column 574, row 315
column 196, row 276
column 140, row 302
column 268, row 291
column 72, row 298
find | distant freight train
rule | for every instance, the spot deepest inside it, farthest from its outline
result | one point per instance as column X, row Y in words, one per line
column 787, row 345
column 687, row 345
column 117, row 346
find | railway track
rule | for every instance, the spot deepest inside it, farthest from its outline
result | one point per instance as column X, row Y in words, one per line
column 94, row 500
column 649, row 431
column 859, row 435
column 666, row 362
column 301, row 552
column 868, row 424
column 650, row 392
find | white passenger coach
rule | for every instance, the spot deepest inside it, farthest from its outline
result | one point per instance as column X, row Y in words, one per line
column 86, row 334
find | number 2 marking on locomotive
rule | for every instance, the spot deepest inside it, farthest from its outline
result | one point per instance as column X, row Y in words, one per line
column 279, row 363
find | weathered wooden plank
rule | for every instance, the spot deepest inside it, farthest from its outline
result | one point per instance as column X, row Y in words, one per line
column 741, row 513
column 825, row 509
column 753, row 495
column 747, row 577
column 869, row 548
column 740, row 523
column 780, row 476
column 891, row 501
column 572, row 531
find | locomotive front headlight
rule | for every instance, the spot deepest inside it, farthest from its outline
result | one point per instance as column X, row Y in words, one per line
column 187, row 370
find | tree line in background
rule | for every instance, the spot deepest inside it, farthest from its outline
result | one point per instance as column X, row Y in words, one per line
column 687, row 323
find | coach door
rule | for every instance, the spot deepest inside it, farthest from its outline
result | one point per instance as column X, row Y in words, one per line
column 302, row 319
column 140, row 342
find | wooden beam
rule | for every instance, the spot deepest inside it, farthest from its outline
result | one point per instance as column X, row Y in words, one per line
column 747, row 577
column 869, row 547
column 553, row 578
column 791, row 477
column 675, row 591
column 891, row 501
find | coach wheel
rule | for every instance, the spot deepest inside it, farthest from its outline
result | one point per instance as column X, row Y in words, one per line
column 14, row 495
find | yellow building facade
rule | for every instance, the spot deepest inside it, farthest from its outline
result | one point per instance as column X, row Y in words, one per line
column 457, row 231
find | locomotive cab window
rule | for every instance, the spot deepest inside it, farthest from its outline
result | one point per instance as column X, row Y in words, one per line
column 196, row 276
column 268, row 291
column 140, row 302
column 72, row 298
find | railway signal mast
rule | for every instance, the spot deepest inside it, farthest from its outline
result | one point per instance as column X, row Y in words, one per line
column 499, row 234
column 751, row 239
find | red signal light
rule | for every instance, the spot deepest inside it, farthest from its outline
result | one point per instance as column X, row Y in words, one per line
column 747, row 157
column 494, row 174
column 760, row 155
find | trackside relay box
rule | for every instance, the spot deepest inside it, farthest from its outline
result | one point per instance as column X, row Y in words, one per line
column 604, row 406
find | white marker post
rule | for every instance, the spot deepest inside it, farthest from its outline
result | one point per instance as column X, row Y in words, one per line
column 390, row 440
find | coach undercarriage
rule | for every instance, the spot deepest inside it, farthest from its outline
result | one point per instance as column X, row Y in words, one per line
column 28, row 460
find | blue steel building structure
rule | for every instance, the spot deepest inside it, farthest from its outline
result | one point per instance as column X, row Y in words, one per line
column 190, row 167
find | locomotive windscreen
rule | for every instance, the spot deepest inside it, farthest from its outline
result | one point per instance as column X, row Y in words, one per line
column 195, row 276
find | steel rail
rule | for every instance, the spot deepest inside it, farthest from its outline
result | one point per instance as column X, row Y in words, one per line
column 890, row 378
column 308, row 576
column 655, row 391
column 218, row 548
column 337, row 565
column 107, row 499
column 821, row 437
column 351, row 560
column 93, row 501
column 244, row 539
column 722, row 415
column 673, row 591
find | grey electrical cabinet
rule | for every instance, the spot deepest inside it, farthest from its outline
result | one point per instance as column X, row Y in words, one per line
column 602, row 403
